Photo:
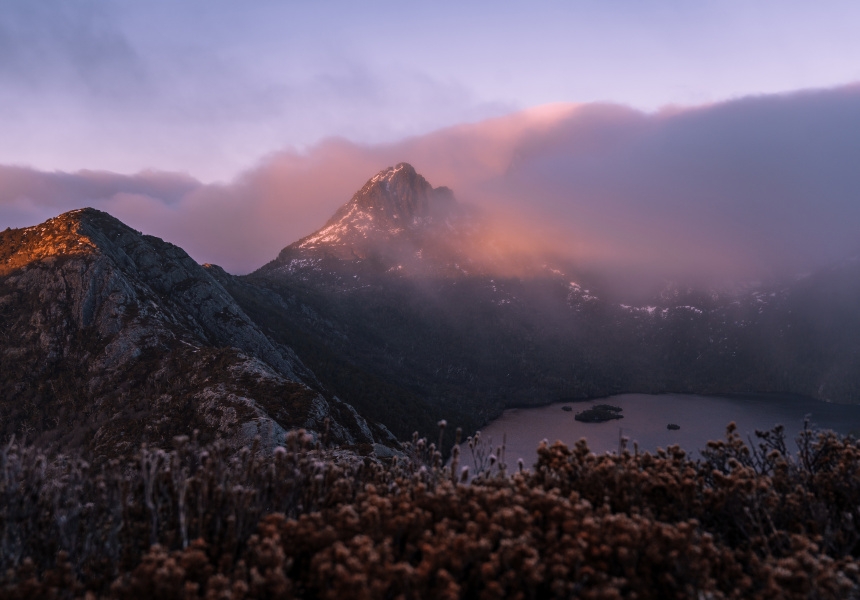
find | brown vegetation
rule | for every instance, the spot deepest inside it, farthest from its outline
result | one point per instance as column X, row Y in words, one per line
column 309, row 522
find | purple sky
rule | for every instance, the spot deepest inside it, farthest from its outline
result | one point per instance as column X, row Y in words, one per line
column 651, row 130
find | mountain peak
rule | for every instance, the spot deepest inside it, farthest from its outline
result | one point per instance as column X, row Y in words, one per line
column 397, row 201
column 83, row 231
column 399, row 195
column 61, row 235
column 400, row 171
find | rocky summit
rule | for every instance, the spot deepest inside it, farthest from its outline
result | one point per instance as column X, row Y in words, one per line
column 396, row 222
column 396, row 199
column 385, row 321
column 112, row 338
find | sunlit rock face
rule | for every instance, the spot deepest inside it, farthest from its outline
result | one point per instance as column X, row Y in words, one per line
column 111, row 338
column 393, row 200
column 396, row 222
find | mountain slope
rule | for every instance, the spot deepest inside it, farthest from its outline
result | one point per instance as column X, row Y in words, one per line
column 111, row 338
column 396, row 288
column 394, row 312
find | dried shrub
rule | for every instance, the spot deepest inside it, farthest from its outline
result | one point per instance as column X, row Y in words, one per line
column 306, row 521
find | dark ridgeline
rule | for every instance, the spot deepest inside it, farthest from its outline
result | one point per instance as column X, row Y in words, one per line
column 398, row 309
column 112, row 338
column 402, row 310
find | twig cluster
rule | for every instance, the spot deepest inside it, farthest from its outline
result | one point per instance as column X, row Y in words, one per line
column 744, row 521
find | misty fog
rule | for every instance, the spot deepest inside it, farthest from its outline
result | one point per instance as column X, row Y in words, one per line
column 751, row 188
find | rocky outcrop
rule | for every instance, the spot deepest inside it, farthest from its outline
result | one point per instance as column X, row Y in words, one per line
column 396, row 222
column 111, row 338
column 600, row 413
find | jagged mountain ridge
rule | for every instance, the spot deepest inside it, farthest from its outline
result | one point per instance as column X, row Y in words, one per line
column 112, row 338
column 472, row 343
column 395, row 200
column 396, row 222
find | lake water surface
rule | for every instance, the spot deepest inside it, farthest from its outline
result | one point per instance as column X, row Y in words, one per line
column 701, row 418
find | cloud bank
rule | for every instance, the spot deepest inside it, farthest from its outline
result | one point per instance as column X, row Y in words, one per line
column 746, row 188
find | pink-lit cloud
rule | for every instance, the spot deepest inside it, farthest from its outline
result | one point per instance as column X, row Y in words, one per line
column 742, row 188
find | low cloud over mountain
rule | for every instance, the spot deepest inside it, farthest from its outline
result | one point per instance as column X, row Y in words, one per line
column 747, row 188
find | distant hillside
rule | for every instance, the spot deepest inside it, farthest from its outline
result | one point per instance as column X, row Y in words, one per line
column 394, row 305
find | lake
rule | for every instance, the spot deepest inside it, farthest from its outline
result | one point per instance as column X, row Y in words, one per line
column 701, row 418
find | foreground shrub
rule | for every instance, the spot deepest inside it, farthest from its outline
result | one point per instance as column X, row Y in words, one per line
column 310, row 522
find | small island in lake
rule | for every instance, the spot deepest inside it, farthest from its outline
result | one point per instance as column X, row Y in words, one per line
column 599, row 413
column 673, row 426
